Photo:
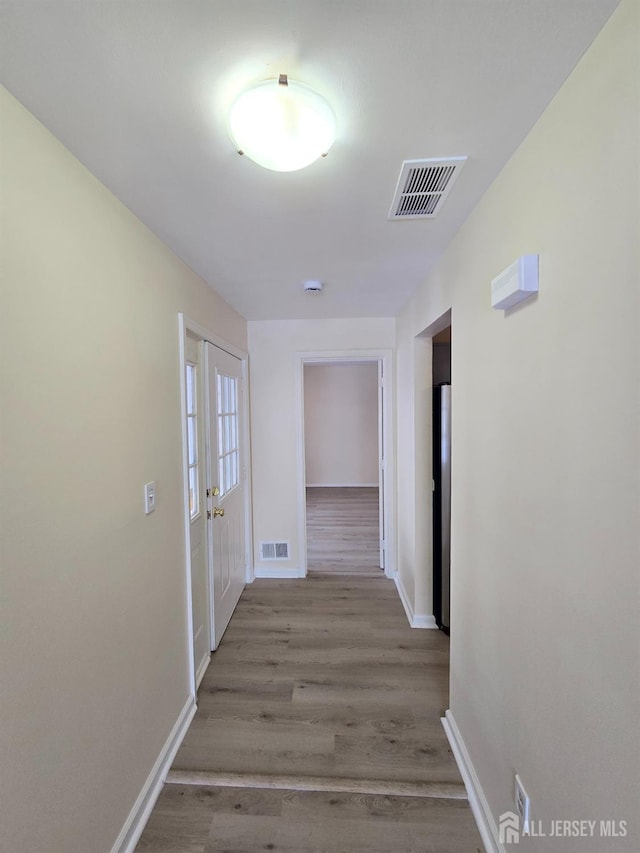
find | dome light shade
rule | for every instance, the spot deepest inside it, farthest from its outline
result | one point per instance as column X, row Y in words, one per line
column 282, row 125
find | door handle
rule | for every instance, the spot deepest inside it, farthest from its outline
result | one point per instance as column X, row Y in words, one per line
column 218, row 511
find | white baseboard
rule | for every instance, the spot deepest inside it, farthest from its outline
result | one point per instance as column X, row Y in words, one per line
column 424, row 621
column 420, row 621
column 342, row 485
column 204, row 663
column 477, row 800
column 143, row 806
column 278, row 572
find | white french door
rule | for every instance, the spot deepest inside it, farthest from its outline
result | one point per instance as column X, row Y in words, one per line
column 195, row 429
column 226, row 484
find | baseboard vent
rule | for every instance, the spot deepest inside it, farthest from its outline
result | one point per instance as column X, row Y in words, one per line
column 274, row 550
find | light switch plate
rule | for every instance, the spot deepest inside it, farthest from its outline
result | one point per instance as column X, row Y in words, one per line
column 149, row 497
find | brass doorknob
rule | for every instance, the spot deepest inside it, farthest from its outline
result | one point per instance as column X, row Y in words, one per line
column 218, row 511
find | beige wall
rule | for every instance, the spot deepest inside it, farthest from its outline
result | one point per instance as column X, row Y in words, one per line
column 341, row 424
column 545, row 663
column 94, row 656
column 275, row 407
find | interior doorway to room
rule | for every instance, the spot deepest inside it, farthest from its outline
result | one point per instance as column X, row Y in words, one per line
column 344, row 468
column 441, row 420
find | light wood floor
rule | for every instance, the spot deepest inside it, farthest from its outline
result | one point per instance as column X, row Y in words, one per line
column 342, row 530
column 318, row 731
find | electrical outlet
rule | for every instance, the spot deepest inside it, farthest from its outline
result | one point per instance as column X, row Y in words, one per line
column 523, row 806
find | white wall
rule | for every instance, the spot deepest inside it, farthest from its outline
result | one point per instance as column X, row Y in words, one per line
column 545, row 640
column 94, row 636
column 341, row 424
column 275, row 412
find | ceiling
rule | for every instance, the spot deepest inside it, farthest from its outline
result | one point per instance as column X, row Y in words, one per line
column 139, row 91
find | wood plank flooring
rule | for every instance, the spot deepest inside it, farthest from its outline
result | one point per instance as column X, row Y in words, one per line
column 192, row 819
column 343, row 530
column 318, row 731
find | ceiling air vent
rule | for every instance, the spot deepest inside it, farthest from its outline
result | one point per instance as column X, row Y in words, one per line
column 423, row 186
column 274, row 550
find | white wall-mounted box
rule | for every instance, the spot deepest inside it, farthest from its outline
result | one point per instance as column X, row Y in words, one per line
column 516, row 283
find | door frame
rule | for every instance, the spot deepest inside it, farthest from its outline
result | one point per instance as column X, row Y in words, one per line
column 201, row 333
column 379, row 356
column 422, row 503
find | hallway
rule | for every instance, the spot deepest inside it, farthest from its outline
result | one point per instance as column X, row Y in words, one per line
column 318, row 731
column 343, row 530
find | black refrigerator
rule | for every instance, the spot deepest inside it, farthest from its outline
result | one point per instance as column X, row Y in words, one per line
column 441, row 504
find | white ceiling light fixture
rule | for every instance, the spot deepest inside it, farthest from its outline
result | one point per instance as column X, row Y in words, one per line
column 282, row 125
column 313, row 286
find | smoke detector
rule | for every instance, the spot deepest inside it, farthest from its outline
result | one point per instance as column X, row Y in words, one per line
column 313, row 286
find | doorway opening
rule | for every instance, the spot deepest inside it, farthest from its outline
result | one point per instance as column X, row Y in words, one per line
column 344, row 443
column 342, row 468
column 441, row 432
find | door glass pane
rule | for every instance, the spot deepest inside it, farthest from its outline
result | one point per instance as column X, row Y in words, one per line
column 228, row 438
column 191, row 440
column 192, row 437
column 191, row 389
column 193, row 492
